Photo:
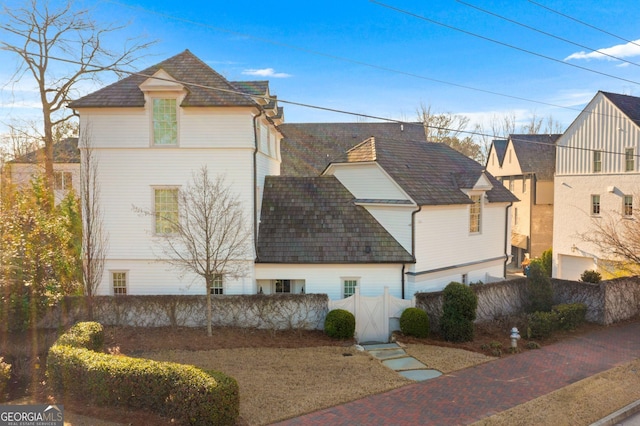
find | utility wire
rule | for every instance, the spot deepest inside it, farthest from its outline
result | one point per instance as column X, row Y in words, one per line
column 583, row 23
column 530, row 52
column 334, row 110
column 546, row 33
column 343, row 59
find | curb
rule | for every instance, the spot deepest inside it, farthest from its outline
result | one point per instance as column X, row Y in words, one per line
column 623, row 413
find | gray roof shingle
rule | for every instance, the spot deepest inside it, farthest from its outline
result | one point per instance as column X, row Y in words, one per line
column 315, row 220
column 431, row 173
column 629, row 105
column 307, row 148
column 64, row 151
column 185, row 68
column 536, row 154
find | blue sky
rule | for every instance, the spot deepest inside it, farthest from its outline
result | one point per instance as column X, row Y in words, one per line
column 363, row 57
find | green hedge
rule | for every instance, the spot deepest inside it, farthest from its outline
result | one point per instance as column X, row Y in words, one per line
column 184, row 392
column 340, row 324
column 570, row 315
column 87, row 335
column 542, row 324
column 415, row 322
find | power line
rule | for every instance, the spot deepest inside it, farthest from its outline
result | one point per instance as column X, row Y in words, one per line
column 406, row 12
column 343, row 59
column 334, row 110
column 583, row 23
column 545, row 33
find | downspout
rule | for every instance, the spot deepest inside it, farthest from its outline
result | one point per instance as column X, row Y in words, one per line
column 255, row 182
column 506, row 238
column 413, row 244
column 402, row 280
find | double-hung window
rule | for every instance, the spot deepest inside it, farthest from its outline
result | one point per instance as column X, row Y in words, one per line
column 595, row 205
column 349, row 286
column 597, row 161
column 166, row 210
column 216, row 286
column 475, row 214
column 165, row 122
column 629, row 164
column 628, row 206
column 119, row 283
column 62, row 180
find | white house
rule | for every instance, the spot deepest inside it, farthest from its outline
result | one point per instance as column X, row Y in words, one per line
column 525, row 164
column 596, row 177
column 392, row 211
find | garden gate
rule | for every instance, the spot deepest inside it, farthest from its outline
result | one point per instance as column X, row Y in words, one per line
column 376, row 317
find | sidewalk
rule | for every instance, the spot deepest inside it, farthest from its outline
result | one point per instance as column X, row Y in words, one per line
column 469, row 395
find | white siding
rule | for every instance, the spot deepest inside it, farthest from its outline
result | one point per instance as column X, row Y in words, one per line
column 367, row 181
column 396, row 220
column 436, row 281
column 327, row 279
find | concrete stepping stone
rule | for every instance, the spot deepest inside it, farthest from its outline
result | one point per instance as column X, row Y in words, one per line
column 388, row 353
column 406, row 363
column 375, row 346
column 420, row 375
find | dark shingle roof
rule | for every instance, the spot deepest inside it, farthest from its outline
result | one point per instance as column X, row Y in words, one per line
column 64, row 151
column 629, row 105
column 307, row 148
column 536, row 154
column 431, row 173
column 500, row 147
column 315, row 220
column 184, row 67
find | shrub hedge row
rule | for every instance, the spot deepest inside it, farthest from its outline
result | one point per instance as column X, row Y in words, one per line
column 562, row 317
column 184, row 392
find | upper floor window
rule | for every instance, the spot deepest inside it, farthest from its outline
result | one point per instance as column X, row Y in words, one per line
column 216, row 286
column 62, row 180
column 629, row 164
column 475, row 212
column 595, row 204
column 166, row 210
column 165, row 122
column 597, row 161
column 628, row 205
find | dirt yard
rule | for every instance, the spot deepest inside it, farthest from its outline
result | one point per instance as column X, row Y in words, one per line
column 287, row 374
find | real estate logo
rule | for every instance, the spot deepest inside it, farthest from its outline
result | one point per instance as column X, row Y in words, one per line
column 31, row 415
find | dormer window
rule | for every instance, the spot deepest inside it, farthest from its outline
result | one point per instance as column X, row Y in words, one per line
column 165, row 122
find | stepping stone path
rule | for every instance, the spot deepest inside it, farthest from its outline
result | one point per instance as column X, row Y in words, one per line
column 394, row 357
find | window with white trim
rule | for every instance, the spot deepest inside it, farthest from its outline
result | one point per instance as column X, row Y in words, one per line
column 166, row 210
column 165, row 122
column 595, row 205
column 217, row 286
column 628, row 205
column 62, row 180
column 349, row 286
column 629, row 157
column 475, row 214
column 597, row 161
column 465, row 279
column 119, row 283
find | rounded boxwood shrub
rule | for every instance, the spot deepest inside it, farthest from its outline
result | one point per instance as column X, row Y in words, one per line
column 340, row 324
column 414, row 322
column 590, row 276
column 459, row 304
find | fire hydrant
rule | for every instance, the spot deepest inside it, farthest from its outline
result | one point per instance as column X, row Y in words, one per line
column 515, row 336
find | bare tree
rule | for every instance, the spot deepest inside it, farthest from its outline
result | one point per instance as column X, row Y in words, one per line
column 209, row 236
column 94, row 237
column 446, row 128
column 39, row 36
column 534, row 125
column 617, row 238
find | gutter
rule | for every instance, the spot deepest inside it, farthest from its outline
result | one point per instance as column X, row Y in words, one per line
column 255, row 181
column 413, row 245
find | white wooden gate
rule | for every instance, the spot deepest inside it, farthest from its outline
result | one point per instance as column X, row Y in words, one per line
column 376, row 317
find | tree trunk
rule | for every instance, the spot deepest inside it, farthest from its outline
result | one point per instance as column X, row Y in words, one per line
column 209, row 286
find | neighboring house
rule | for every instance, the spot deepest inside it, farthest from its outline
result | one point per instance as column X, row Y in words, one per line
column 525, row 164
column 597, row 175
column 333, row 208
column 66, row 168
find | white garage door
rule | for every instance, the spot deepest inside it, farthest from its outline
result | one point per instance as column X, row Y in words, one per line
column 571, row 267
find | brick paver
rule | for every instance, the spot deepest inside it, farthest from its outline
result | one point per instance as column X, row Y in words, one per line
column 466, row 396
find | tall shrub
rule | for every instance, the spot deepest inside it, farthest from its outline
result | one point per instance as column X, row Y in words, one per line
column 547, row 262
column 459, row 306
column 539, row 291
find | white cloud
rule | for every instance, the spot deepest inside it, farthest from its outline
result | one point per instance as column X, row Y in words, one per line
column 266, row 72
column 627, row 50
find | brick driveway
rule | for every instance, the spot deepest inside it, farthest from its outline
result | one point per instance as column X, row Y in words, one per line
column 466, row 396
